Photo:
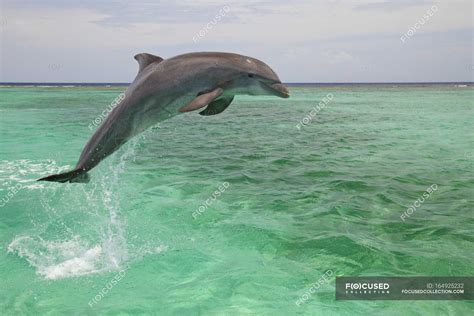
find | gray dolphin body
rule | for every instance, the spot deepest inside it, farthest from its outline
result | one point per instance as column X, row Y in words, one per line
column 165, row 88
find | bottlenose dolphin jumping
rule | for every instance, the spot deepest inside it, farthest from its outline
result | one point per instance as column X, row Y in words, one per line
column 165, row 88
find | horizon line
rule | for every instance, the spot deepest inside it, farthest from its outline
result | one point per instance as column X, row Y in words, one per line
column 289, row 83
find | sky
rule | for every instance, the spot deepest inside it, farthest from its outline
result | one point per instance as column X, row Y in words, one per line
column 303, row 41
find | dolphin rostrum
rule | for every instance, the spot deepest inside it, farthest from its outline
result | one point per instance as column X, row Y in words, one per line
column 165, row 88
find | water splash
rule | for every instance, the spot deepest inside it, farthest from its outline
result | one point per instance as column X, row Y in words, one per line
column 58, row 259
column 97, row 206
column 26, row 172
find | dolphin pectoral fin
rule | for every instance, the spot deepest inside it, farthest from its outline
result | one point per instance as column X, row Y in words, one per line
column 217, row 106
column 202, row 100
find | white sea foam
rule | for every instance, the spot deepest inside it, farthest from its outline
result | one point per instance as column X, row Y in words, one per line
column 71, row 258
column 59, row 259
column 160, row 249
column 26, row 172
column 104, row 249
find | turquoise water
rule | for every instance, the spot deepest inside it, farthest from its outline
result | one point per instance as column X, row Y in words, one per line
column 294, row 203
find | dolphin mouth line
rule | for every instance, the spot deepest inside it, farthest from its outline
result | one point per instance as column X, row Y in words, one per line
column 280, row 90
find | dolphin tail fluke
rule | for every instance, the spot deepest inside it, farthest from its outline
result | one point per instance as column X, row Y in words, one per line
column 78, row 175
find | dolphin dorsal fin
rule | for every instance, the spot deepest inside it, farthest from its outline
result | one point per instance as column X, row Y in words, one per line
column 145, row 59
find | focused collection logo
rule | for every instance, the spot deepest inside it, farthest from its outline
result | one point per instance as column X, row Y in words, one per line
column 367, row 288
column 404, row 288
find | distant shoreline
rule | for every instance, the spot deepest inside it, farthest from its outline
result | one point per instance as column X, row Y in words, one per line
column 290, row 84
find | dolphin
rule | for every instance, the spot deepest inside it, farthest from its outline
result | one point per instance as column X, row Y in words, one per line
column 164, row 88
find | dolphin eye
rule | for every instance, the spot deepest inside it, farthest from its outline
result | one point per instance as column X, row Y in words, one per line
column 250, row 75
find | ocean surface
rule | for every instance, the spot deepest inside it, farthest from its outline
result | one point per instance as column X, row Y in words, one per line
column 295, row 188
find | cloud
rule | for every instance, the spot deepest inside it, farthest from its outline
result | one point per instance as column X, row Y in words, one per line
column 307, row 40
column 338, row 57
column 392, row 5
